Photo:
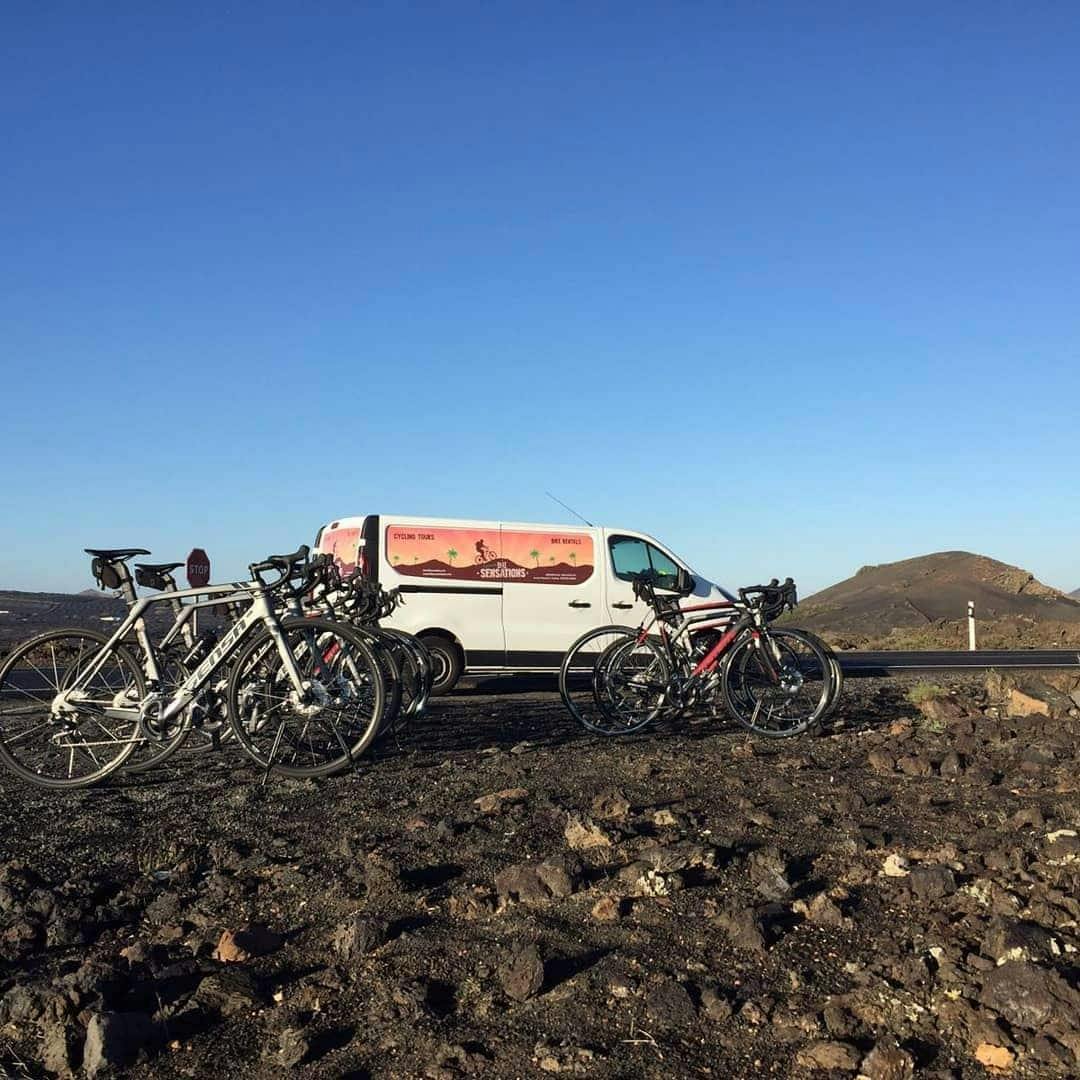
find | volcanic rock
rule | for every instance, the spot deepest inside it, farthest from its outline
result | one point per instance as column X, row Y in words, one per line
column 293, row 1047
column 114, row 1039
column 521, row 975
column 887, row 1062
column 826, row 1054
column 932, row 882
column 359, row 935
column 820, row 909
column 994, row 1057
column 769, row 873
column 669, row 1005
column 744, row 929
column 1032, row 997
column 583, row 834
column 238, row 946
column 536, row 883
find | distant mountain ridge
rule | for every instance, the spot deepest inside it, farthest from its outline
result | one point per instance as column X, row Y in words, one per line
column 920, row 593
column 23, row 614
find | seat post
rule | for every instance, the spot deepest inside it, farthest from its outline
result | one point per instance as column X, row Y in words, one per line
column 127, row 588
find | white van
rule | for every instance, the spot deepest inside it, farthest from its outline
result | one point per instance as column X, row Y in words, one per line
column 498, row 596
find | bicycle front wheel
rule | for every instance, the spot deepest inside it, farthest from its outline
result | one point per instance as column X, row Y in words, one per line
column 781, row 694
column 324, row 726
column 53, row 731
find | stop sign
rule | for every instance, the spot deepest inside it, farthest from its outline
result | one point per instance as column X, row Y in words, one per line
column 198, row 568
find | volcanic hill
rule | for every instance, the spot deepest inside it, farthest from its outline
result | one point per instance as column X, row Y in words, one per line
column 923, row 602
column 23, row 614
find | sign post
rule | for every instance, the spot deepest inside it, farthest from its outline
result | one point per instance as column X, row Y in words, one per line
column 198, row 575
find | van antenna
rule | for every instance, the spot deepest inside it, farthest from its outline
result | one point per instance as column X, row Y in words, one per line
column 571, row 509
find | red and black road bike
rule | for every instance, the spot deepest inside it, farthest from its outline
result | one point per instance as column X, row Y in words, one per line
column 723, row 656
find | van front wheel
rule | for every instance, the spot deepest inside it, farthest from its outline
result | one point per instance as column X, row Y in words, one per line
column 447, row 662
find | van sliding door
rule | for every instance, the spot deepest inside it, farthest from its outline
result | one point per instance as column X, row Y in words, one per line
column 551, row 592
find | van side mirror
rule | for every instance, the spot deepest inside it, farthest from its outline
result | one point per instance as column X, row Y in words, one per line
column 684, row 582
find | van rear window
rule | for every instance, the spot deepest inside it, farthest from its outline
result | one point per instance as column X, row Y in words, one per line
column 344, row 545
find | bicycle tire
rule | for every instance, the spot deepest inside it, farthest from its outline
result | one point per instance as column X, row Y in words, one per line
column 837, row 675
column 391, row 673
column 747, row 687
column 124, row 683
column 581, row 674
column 632, row 685
column 348, row 686
column 411, row 664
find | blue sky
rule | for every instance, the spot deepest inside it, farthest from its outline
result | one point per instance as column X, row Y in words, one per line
column 793, row 287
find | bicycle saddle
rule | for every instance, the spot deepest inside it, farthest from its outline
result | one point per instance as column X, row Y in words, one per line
column 158, row 568
column 112, row 554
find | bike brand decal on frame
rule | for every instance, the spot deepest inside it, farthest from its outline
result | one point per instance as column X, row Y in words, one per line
column 508, row 555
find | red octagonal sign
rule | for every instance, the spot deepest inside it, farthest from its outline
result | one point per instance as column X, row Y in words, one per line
column 198, row 568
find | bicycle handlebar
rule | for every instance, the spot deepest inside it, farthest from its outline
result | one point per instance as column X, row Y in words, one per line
column 283, row 564
column 289, row 567
column 773, row 599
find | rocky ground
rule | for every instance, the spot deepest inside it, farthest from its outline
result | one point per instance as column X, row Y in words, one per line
column 506, row 896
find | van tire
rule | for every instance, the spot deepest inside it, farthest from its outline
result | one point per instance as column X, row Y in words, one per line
column 447, row 660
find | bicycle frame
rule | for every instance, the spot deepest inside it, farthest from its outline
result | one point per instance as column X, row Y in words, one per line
column 259, row 611
column 704, row 617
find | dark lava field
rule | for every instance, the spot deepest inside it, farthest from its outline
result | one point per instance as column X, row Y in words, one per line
column 503, row 895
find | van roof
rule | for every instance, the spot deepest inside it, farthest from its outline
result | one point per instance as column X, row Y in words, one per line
column 356, row 520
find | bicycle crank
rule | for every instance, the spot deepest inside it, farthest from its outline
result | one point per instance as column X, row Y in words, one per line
column 151, row 724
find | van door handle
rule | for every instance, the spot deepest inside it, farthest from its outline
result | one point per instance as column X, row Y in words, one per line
column 580, row 603
column 622, row 605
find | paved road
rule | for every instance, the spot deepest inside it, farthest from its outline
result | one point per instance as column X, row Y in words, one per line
column 893, row 663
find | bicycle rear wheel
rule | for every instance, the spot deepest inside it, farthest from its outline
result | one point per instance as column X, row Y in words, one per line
column 632, row 684
column 69, row 745
column 834, row 667
column 793, row 701
column 322, row 730
column 578, row 667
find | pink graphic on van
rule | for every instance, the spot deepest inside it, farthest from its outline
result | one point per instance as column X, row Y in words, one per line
column 495, row 555
column 344, row 545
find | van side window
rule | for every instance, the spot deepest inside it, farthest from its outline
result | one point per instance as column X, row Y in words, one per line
column 630, row 556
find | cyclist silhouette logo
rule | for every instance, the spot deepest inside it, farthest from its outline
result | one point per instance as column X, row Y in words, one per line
column 484, row 554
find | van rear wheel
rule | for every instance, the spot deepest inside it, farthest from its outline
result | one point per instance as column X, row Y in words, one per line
column 447, row 662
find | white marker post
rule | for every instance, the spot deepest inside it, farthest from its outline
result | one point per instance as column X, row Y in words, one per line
column 971, row 626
